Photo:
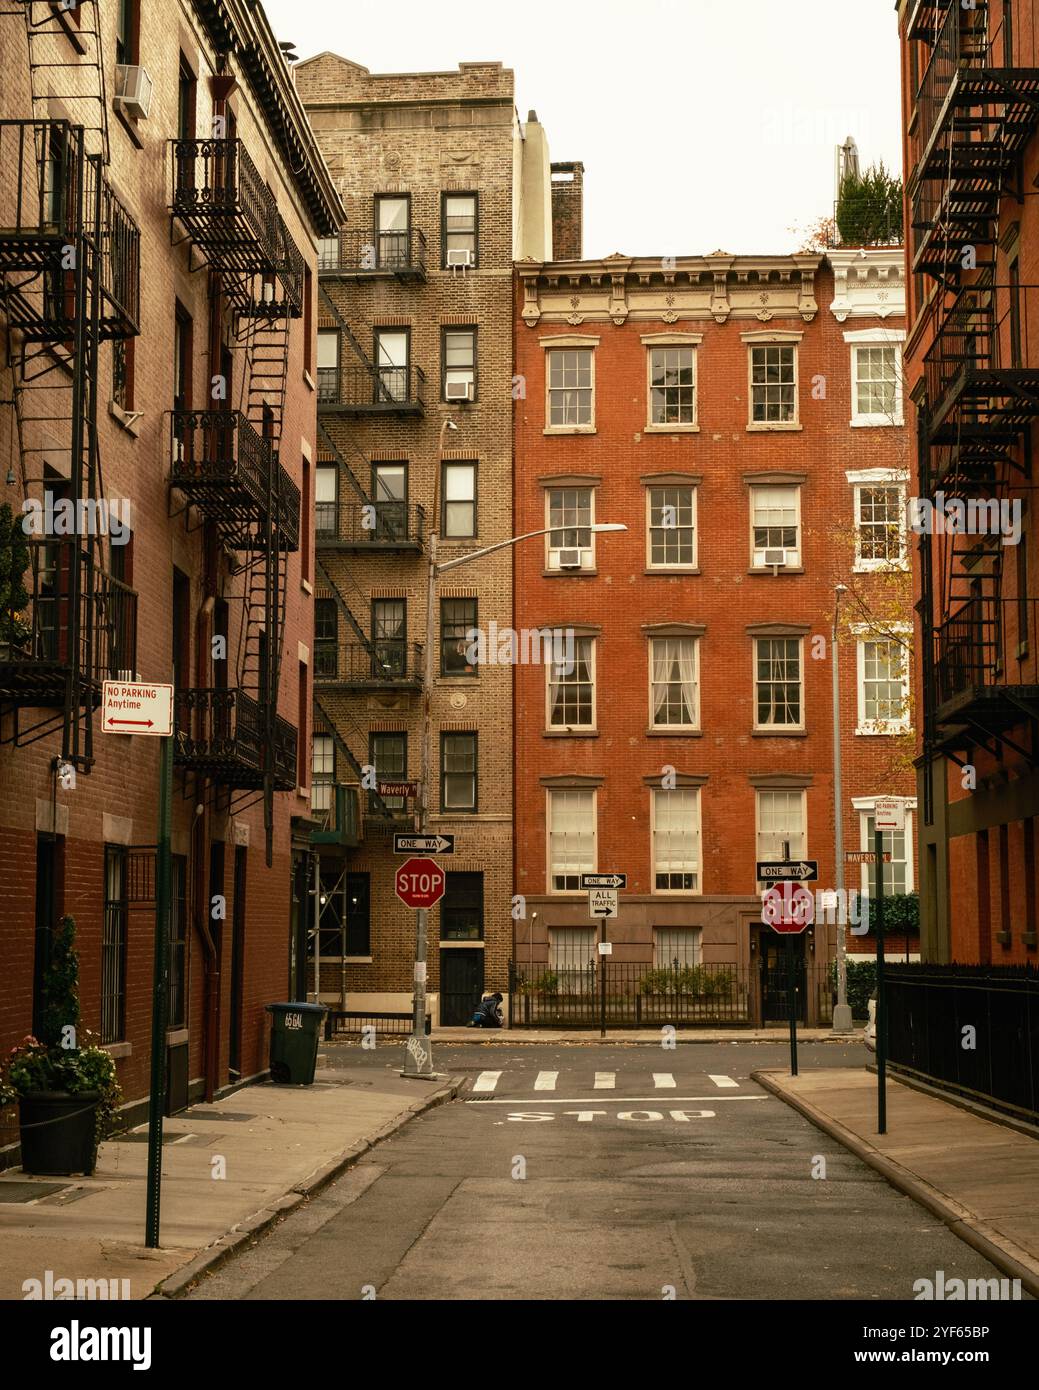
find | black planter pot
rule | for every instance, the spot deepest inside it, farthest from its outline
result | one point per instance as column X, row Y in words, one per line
column 57, row 1131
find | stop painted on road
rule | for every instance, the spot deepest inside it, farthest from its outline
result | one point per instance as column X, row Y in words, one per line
column 638, row 1116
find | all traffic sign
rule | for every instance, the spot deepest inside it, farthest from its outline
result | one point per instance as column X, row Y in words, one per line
column 419, row 883
column 602, row 902
column 129, row 707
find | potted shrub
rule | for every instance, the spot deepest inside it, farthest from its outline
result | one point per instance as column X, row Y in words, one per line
column 67, row 1095
column 14, row 597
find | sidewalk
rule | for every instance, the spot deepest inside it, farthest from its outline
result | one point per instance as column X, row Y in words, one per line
column 279, row 1144
column 591, row 1036
column 978, row 1176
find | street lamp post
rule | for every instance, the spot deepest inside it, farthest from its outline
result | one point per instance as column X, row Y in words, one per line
column 418, row 1056
column 841, row 1012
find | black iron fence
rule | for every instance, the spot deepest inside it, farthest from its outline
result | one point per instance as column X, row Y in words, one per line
column 385, row 661
column 370, row 525
column 361, row 251
column 385, row 389
column 972, row 1028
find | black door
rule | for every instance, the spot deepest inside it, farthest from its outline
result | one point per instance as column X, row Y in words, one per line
column 775, row 966
column 237, row 963
column 461, row 986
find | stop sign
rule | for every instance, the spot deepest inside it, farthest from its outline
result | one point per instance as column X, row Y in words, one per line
column 419, row 882
column 788, row 908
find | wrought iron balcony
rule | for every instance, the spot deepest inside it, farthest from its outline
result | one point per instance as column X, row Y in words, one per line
column 394, row 527
column 986, row 666
column 379, row 391
column 339, row 808
column 279, row 295
column 978, row 390
column 220, row 735
column 369, row 255
column 389, row 663
column 925, row 22
column 221, row 199
column 222, row 464
column 51, row 193
column 42, row 645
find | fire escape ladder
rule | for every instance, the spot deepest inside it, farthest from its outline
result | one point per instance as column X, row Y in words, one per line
column 50, row 31
column 381, row 389
column 330, row 728
column 343, row 464
column 346, row 611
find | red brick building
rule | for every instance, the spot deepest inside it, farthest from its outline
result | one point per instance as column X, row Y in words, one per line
column 170, row 373
column 742, row 417
column 969, row 78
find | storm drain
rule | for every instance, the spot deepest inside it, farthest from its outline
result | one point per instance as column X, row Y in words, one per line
column 28, row 1191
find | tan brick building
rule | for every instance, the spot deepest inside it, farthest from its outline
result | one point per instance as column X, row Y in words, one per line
column 441, row 182
column 161, row 196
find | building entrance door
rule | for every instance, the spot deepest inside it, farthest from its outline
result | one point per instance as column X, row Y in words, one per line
column 775, row 1007
column 461, row 986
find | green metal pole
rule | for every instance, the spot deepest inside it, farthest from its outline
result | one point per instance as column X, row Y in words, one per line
column 881, row 1021
column 791, row 996
column 160, row 998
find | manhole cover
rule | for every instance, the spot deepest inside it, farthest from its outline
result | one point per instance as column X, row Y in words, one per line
column 28, row 1191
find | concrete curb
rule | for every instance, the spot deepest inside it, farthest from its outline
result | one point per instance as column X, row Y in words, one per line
column 175, row 1285
column 1007, row 1256
column 591, row 1038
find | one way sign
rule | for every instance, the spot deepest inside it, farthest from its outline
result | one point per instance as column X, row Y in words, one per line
column 604, row 880
column 797, row 869
column 423, row 844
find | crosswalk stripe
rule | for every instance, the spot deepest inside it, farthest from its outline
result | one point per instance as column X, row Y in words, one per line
column 605, row 1080
column 546, row 1081
column 487, row 1080
column 663, row 1080
column 723, row 1081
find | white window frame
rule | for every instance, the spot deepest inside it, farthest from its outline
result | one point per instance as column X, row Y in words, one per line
column 759, row 491
column 551, row 792
column 694, row 726
column 880, row 727
column 694, row 564
column 686, row 426
column 876, row 478
column 767, row 340
column 796, row 851
column 778, row 729
column 866, row 807
column 587, row 551
column 560, row 729
column 563, row 345
column 697, row 832
column 662, row 963
column 867, row 338
column 321, row 786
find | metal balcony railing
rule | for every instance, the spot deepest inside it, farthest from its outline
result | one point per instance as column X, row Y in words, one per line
column 988, row 645
column 222, row 463
column 389, row 662
column 359, row 253
column 288, row 510
column 120, row 268
column 384, row 390
column 40, row 643
column 339, row 808
column 220, row 734
column 230, row 212
column 388, row 526
column 41, row 171
column 281, row 293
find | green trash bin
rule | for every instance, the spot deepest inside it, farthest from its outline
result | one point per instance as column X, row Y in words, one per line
column 295, row 1031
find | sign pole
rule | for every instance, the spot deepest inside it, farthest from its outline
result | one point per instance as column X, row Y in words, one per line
column 602, row 980
column 878, row 838
column 160, row 996
column 792, row 1002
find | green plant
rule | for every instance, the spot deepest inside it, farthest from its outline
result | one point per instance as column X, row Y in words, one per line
column 700, row 980
column 14, row 561
column 548, row 983
column 61, row 986
column 869, row 208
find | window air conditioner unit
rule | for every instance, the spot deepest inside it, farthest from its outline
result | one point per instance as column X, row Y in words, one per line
column 133, row 90
column 569, row 559
column 463, row 258
column 456, row 389
column 775, row 557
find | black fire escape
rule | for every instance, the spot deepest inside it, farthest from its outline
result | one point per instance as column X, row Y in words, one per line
column 976, row 110
column 69, row 281
column 225, row 462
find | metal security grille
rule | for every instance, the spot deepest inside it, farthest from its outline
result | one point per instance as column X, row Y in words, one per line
column 113, row 946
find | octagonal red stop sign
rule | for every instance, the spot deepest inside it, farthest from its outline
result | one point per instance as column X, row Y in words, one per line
column 419, row 882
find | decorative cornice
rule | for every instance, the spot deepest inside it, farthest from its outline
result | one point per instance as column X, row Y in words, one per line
column 680, row 779
column 868, row 282
column 674, row 629
column 774, row 476
column 572, row 781
column 677, row 479
column 779, row 780
column 777, row 629
column 571, row 480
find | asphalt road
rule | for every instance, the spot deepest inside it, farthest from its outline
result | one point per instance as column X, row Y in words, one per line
column 615, row 1172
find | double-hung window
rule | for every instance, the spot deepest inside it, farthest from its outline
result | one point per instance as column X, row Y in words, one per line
column 323, row 772
column 571, row 402
column 391, row 360
column 326, row 505
column 672, row 386
column 876, row 377
column 773, row 384
column 459, row 492
column 459, row 229
column 780, row 825
column 883, row 671
column 458, row 356
column 674, row 683
column 327, row 366
column 898, row 873
column 571, row 838
column 457, row 641
column 880, row 528
column 570, row 515
column 458, row 772
column 676, row 840
column 778, row 697
column 393, row 231
column 388, row 754
column 775, row 526
column 671, row 527
column 571, row 688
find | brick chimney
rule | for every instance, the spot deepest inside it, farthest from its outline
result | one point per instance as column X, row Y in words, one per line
column 567, row 211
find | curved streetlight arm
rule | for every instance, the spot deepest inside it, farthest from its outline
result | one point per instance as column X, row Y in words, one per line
column 527, row 535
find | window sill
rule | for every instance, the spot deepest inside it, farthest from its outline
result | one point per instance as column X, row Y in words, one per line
column 889, row 731
column 674, row 733
column 1029, row 939
column 129, row 420
column 875, row 422
column 177, row 1037
column 128, row 125
column 773, row 427
column 569, row 574
column 451, row 943
column 118, row 1049
column 779, row 733
column 780, row 569
column 1004, row 938
column 309, row 380
column 303, row 793
column 880, row 567
column 570, row 733
column 671, row 569
column 569, row 429
column 352, row 960
column 671, row 429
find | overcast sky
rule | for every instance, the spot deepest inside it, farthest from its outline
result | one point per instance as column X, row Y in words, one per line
column 703, row 124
